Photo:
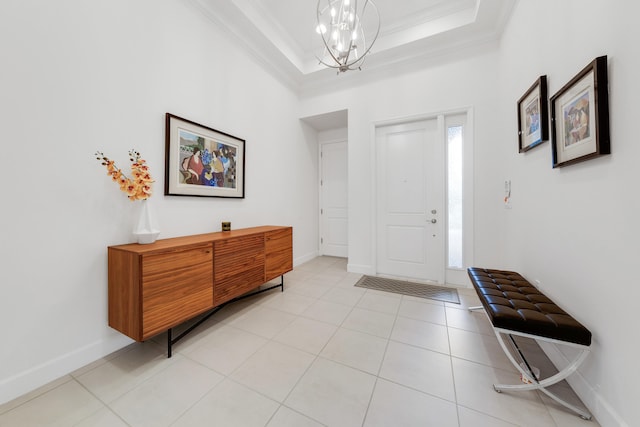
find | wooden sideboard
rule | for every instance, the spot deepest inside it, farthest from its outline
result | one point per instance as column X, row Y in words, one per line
column 155, row 287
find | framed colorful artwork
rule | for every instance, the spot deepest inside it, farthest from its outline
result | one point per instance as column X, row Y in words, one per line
column 580, row 116
column 201, row 161
column 533, row 116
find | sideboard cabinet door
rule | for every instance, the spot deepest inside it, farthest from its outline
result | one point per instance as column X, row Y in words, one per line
column 278, row 252
column 176, row 286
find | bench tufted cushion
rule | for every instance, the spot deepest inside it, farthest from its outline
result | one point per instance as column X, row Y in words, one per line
column 512, row 303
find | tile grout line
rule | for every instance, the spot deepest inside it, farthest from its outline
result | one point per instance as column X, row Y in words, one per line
column 453, row 374
column 384, row 355
column 105, row 405
column 337, row 281
column 315, row 358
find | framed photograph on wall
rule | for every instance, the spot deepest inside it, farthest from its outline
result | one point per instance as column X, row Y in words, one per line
column 580, row 116
column 201, row 161
column 533, row 116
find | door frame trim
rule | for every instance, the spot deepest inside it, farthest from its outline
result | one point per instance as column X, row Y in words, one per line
column 451, row 276
column 320, row 201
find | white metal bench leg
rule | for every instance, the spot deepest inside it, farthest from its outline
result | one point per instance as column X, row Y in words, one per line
column 537, row 384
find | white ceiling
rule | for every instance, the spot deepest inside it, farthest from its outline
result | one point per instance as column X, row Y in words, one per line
column 281, row 33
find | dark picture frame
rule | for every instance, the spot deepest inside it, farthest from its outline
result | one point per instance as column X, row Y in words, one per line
column 202, row 161
column 533, row 116
column 580, row 116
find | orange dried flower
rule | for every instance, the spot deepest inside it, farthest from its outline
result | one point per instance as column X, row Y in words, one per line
column 138, row 188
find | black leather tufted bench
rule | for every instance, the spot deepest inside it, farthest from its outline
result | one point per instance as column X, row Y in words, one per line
column 515, row 307
column 513, row 303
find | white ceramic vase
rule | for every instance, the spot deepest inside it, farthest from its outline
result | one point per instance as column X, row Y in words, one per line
column 146, row 231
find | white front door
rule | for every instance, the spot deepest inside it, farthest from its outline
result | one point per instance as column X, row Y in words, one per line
column 333, row 199
column 410, row 200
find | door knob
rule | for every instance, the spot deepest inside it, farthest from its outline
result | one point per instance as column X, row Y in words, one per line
column 433, row 221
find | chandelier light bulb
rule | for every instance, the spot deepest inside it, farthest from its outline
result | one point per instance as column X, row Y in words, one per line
column 346, row 21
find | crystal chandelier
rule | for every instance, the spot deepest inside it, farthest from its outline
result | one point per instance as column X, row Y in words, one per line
column 341, row 26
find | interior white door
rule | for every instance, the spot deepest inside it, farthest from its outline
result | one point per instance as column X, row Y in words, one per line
column 333, row 195
column 410, row 200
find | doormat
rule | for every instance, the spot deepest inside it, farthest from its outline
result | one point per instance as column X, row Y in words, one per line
column 420, row 290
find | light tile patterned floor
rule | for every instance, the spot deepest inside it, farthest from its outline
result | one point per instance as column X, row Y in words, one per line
column 322, row 352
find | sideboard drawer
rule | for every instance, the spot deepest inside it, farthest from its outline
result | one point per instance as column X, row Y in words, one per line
column 277, row 253
column 238, row 266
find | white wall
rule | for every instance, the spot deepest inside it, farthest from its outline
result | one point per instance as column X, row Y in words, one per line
column 83, row 76
column 456, row 82
column 333, row 135
column 80, row 76
column 575, row 228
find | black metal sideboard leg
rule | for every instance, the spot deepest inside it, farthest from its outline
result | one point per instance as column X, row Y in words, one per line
column 171, row 341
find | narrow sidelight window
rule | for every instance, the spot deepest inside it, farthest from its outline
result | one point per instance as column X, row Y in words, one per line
column 454, row 195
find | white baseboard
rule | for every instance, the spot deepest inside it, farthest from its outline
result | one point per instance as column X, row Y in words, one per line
column 590, row 396
column 362, row 269
column 304, row 258
column 31, row 379
column 38, row 376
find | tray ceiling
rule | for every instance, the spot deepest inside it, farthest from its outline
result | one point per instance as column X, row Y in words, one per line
column 280, row 33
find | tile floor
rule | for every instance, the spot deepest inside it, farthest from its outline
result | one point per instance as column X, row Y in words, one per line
column 322, row 352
